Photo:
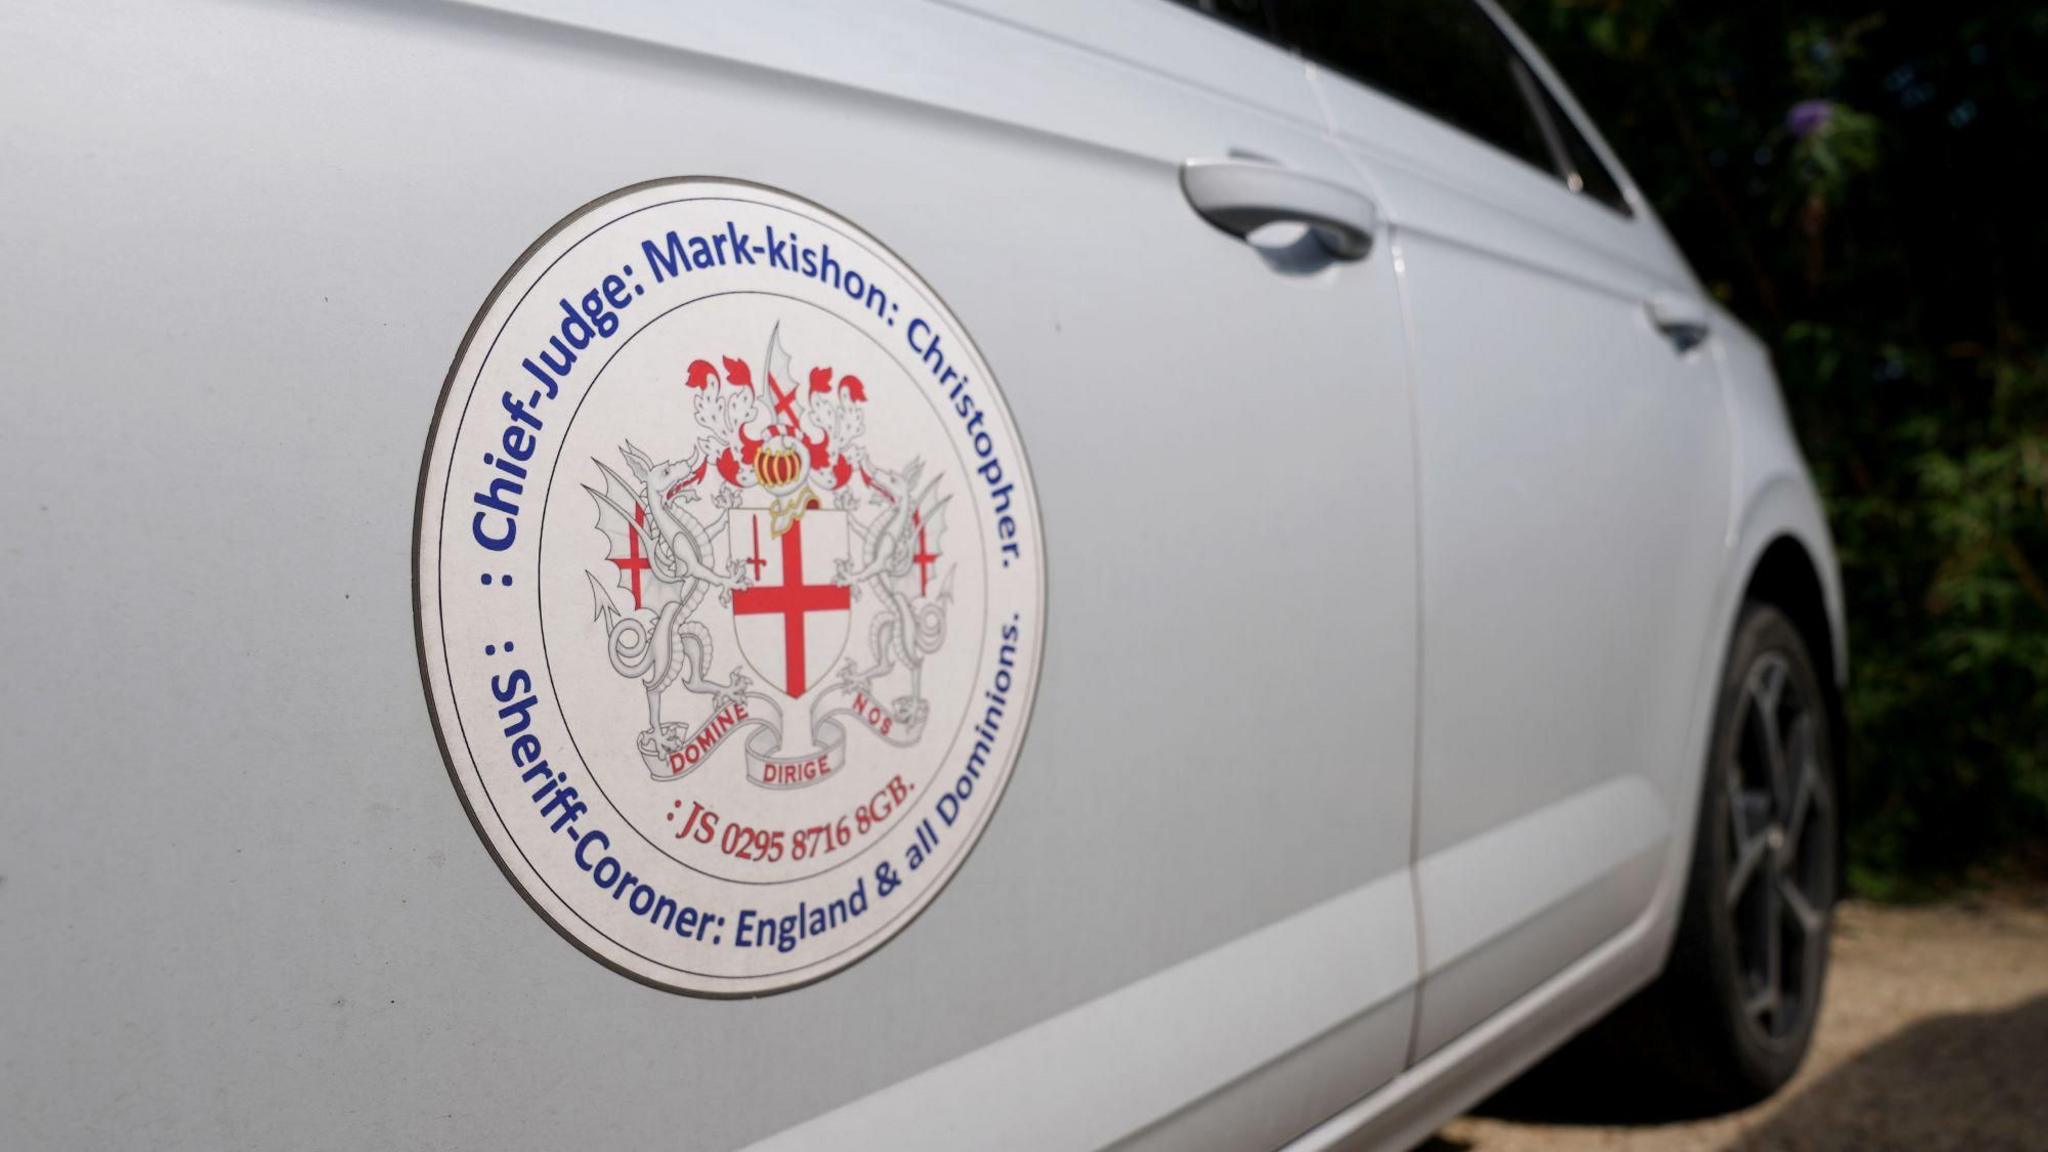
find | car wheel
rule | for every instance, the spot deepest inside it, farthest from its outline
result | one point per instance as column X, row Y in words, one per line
column 1732, row 1015
column 1734, row 1011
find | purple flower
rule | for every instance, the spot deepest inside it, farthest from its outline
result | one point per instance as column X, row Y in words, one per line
column 1808, row 117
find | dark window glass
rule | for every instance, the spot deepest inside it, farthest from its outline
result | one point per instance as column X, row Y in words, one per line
column 1445, row 57
column 1249, row 15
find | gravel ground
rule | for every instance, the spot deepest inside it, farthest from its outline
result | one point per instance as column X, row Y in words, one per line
column 1933, row 1035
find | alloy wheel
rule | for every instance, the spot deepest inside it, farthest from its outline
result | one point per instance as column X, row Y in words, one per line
column 1780, row 831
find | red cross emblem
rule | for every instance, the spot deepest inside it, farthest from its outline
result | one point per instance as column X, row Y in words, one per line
column 635, row 561
column 925, row 557
column 794, row 620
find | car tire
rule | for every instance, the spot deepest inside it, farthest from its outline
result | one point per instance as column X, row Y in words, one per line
column 1732, row 1015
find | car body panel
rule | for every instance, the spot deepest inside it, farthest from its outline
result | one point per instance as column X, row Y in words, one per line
column 239, row 906
column 1569, row 456
column 261, row 918
column 1320, row 1039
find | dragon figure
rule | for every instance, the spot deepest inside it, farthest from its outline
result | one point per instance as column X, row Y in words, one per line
column 658, row 641
column 908, row 627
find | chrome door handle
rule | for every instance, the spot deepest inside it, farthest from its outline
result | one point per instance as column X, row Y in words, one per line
column 1682, row 318
column 1241, row 196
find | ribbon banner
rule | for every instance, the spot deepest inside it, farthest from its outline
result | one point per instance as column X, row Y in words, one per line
column 681, row 751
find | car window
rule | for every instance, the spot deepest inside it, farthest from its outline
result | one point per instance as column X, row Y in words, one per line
column 1445, row 57
column 1250, row 15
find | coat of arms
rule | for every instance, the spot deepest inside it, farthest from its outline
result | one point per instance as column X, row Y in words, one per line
column 776, row 517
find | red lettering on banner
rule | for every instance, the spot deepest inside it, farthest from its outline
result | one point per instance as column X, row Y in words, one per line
column 705, row 742
column 797, row 771
column 872, row 714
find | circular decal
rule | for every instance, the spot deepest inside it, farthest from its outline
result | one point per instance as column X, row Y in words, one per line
column 730, row 587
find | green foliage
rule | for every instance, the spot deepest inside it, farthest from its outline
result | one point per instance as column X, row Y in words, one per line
column 1848, row 178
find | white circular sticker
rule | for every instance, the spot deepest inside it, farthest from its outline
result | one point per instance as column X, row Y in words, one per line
column 730, row 586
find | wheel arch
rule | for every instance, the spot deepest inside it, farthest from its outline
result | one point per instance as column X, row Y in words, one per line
column 1786, row 577
column 1778, row 552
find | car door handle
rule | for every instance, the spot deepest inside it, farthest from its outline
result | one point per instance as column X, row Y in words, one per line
column 1241, row 196
column 1682, row 318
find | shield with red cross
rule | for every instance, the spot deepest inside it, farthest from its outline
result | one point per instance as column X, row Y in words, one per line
column 792, row 620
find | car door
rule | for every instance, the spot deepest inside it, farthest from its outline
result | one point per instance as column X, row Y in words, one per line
column 1191, row 922
column 1234, row 598
column 1573, row 468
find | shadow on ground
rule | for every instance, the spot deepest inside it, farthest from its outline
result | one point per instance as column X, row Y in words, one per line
column 1974, row 1081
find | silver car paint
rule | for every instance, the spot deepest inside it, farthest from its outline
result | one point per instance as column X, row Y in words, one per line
column 239, row 904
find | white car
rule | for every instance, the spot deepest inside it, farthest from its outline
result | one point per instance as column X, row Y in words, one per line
column 1289, row 414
